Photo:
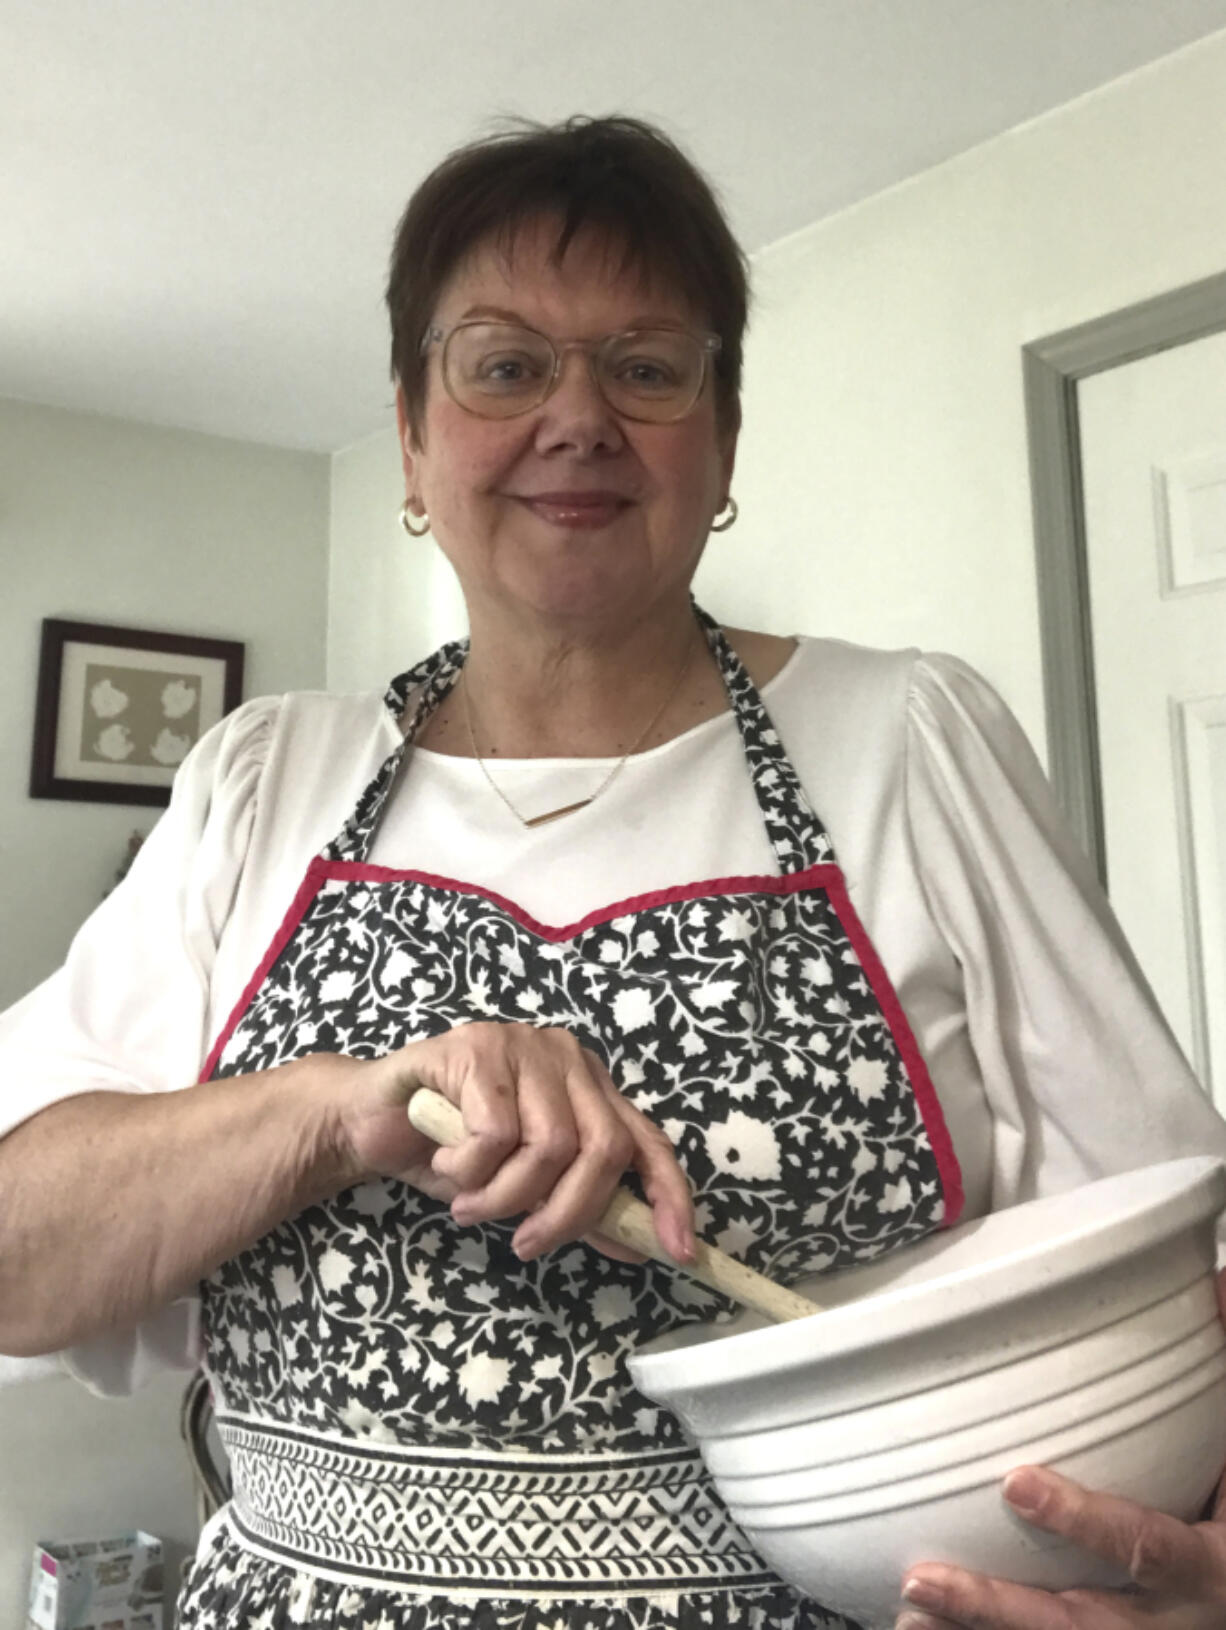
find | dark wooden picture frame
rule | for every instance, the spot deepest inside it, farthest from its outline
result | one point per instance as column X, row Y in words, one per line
column 201, row 681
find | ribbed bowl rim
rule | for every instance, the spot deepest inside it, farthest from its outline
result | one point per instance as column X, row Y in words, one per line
column 1176, row 1197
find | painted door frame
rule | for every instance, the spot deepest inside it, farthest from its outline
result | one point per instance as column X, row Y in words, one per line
column 1051, row 369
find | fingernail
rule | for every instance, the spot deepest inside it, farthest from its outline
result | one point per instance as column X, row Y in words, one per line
column 1024, row 1492
column 923, row 1593
column 917, row 1621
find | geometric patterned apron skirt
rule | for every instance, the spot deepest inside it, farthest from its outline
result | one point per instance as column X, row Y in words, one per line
column 426, row 1433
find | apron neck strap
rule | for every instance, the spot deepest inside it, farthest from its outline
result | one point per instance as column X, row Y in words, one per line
column 796, row 835
column 433, row 677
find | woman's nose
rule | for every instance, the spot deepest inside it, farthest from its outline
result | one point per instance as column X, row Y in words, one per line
column 575, row 414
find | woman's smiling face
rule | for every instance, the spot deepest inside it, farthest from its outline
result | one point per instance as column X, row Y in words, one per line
column 570, row 512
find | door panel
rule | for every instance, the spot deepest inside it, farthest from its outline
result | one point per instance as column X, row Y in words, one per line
column 1153, row 441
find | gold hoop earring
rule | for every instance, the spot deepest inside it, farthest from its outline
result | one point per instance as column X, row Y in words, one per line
column 413, row 531
column 733, row 512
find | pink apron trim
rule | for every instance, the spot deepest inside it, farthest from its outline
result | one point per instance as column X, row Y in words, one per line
column 935, row 1125
column 299, row 905
column 357, row 871
column 824, row 876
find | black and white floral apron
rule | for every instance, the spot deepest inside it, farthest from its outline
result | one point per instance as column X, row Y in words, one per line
column 426, row 1433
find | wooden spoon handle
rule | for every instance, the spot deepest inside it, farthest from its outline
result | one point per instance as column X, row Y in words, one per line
column 628, row 1221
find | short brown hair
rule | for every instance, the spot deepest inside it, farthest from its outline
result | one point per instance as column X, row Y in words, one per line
column 618, row 176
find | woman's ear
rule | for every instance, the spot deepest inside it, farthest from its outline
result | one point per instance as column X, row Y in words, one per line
column 727, row 457
column 408, row 449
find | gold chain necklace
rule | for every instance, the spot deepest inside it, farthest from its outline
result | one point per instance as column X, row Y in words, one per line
column 582, row 803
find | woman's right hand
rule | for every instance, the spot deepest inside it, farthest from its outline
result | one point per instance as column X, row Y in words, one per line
column 549, row 1135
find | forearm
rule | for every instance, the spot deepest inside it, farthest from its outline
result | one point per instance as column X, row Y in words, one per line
column 112, row 1203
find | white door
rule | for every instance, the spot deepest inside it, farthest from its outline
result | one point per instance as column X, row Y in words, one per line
column 1154, row 464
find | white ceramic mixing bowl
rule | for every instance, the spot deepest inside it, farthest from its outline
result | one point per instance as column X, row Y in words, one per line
column 1079, row 1332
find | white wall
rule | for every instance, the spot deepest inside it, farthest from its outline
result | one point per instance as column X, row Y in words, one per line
column 72, row 1465
column 113, row 522
column 391, row 598
column 110, row 522
column 882, row 476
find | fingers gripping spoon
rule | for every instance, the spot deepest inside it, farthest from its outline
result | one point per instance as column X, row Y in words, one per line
column 628, row 1221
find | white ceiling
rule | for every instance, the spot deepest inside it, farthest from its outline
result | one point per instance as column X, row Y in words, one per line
column 197, row 196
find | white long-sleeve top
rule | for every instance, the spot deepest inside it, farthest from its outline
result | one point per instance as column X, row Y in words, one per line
column 1047, row 1052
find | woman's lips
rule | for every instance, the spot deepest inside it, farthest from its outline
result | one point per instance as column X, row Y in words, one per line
column 576, row 509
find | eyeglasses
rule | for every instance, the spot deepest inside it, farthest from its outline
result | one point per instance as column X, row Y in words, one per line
column 499, row 370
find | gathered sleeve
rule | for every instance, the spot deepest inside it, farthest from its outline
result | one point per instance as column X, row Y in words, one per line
column 1082, row 1075
column 128, row 1010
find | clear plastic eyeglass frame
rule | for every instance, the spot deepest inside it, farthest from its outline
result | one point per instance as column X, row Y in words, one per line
column 708, row 345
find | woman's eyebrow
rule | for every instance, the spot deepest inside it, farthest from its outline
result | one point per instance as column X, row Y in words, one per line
column 503, row 314
column 500, row 313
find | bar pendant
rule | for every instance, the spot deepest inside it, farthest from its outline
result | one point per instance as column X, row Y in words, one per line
column 554, row 814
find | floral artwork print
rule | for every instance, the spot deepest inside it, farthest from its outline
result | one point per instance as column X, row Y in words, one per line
column 138, row 715
column 404, row 1401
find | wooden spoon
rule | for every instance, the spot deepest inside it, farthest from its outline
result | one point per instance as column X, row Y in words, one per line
column 629, row 1222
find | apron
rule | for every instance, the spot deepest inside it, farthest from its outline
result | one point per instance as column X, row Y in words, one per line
column 426, row 1433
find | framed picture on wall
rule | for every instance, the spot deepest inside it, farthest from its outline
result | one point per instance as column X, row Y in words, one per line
column 119, row 709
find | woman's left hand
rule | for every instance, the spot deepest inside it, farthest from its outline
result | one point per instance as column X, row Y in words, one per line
column 1179, row 1568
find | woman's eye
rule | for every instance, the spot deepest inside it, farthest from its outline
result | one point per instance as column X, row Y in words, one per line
column 646, row 373
column 508, row 370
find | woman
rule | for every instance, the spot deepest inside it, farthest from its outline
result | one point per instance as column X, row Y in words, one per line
column 575, row 882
